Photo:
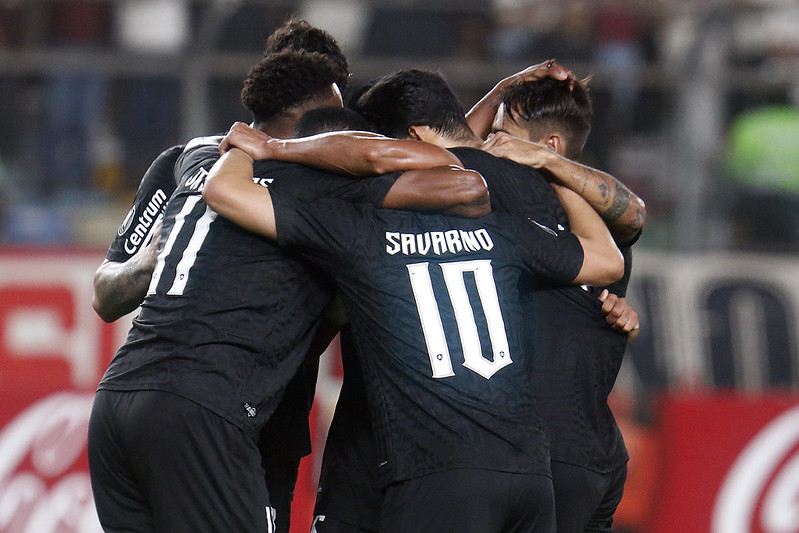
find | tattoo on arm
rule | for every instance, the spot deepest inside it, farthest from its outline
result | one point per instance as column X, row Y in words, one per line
column 621, row 201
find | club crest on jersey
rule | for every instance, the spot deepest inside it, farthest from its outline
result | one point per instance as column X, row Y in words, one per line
column 438, row 242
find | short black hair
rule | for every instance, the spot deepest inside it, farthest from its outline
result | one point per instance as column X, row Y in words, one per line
column 330, row 118
column 285, row 80
column 550, row 104
column 297, row 34
column 413, row 98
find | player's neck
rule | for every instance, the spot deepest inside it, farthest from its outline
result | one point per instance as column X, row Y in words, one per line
column 470, row 140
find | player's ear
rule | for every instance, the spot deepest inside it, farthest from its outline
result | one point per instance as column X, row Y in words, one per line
column 556, row 143
column 422, row 133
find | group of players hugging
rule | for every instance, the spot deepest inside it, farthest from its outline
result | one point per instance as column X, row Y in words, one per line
column 474, row 271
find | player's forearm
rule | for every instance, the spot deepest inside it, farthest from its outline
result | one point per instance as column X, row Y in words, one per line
column 359, row 153
column 229, row 190
column 481, row 116
column 450, row 190
column 621, row 209
column 603, row 263
column 119, row 288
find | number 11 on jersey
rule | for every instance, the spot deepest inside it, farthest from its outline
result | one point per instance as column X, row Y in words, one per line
column 433, row 328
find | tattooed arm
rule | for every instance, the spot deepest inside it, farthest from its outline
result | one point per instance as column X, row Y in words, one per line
column 622, row 210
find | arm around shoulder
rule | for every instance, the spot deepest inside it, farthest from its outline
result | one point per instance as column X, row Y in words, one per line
column 230, row 191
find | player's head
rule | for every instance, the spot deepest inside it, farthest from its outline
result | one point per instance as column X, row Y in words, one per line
column 401, row 103
column 554, row 112
column 327, row 119
column 282, row 86
column 297, row 34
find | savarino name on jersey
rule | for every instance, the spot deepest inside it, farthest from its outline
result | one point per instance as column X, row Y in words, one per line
column 438, row 242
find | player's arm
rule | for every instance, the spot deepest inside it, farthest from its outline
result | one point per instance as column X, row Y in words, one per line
column 230, row 191
column 623, row 211
column 620, row 315
column 350, row 153
column 433, row 179
column 481, row 116
column 121, row 281
column 603, row 263
column 450, row 189
column 120, row 287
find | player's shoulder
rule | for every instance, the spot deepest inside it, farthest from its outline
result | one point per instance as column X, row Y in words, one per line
column 199, row 151
column 206, row 141
column 476, row 157
column 173, row 152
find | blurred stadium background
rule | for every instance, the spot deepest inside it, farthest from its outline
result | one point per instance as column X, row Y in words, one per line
column 697, row 111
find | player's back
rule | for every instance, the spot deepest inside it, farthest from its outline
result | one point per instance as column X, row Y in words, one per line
column 435, row 309
column 579, row 358
column 228, row 316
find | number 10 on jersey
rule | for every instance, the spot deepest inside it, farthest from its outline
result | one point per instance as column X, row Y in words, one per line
column 433, row 328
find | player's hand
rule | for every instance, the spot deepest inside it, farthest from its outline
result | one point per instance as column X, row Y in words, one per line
column 620, row 315
column 502, row 144
column 250, row 140
column 545, row 69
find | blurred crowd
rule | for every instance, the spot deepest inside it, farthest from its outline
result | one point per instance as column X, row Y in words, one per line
column 76, row 138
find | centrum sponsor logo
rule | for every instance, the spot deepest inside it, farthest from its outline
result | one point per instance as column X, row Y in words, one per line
column 438, row 242
column 144, row 222
column 759, row 492
column 42, row 487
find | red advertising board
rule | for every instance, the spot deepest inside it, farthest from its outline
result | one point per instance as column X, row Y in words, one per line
column 53, row 351
column 730, row 464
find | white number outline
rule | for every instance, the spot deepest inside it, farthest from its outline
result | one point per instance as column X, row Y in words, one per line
column 433, row 329
column 198, row 234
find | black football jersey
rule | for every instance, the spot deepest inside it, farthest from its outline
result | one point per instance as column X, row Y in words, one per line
column 577, row 361
column 436, row 314
column 577, row 355
column 156, row 187
column 228, row 316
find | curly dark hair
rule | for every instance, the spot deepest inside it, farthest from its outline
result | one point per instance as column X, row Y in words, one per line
column 550, row 104
column 297, row 34
column 413, row 98
column 285, row 80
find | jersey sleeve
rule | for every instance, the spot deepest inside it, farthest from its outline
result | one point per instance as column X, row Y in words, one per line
column 364, row 190
column 556, row 255
column 325, row 231
column 309, row 184
column 155, row 188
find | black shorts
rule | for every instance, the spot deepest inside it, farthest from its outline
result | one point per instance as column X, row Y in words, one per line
column 281, row 480
column 470, row 500
column 586, row 500
column 159, row 462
